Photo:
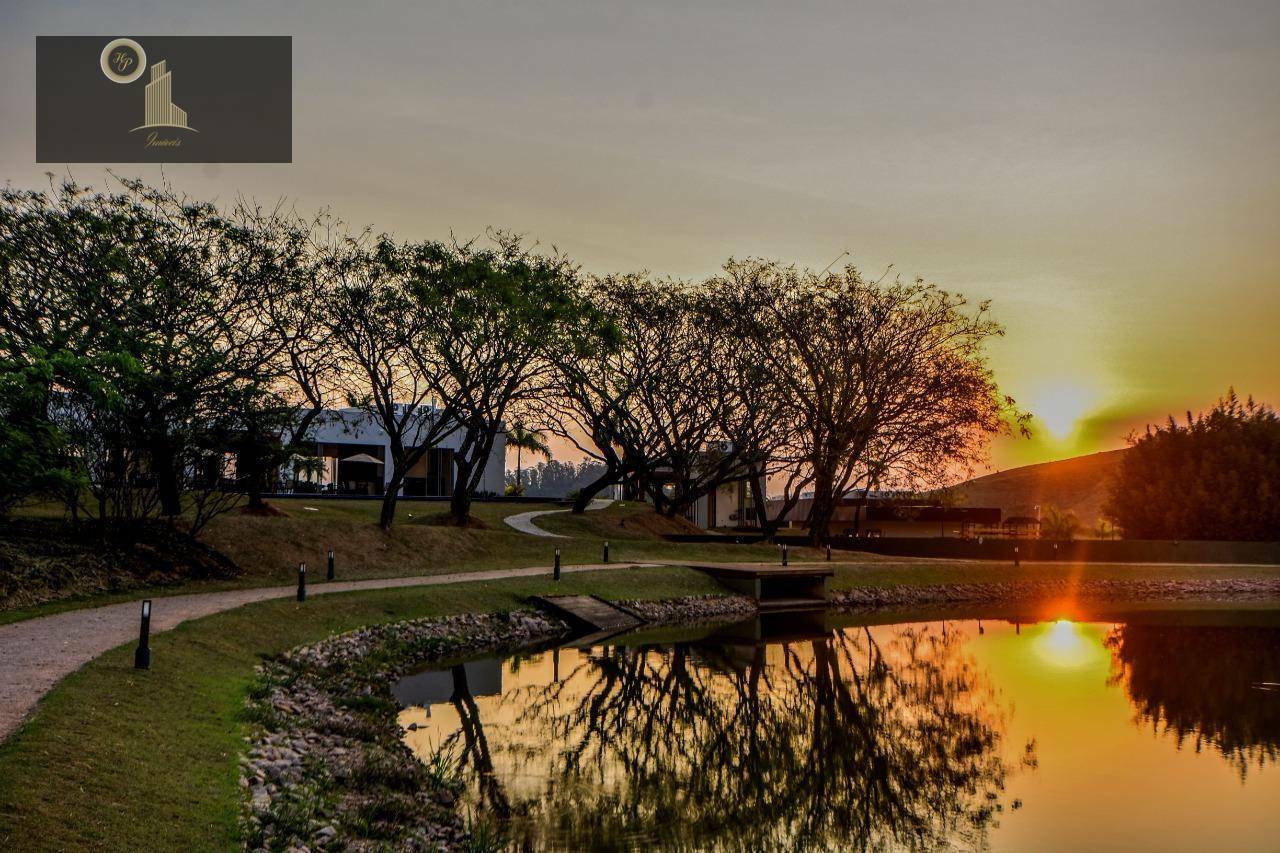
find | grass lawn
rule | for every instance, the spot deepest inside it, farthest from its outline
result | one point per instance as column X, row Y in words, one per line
column 126, row 760
column 119, row 759
column 269, row 548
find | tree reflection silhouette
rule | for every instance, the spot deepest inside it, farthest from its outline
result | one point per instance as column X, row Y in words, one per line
column 1213, row 685
column 838, row 743
column 475, row 746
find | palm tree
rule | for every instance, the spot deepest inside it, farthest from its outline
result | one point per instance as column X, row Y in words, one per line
column 1059, row 525
column 306, row 466
column 526, row 439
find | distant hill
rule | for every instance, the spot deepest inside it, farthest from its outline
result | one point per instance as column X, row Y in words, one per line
column 1078, row 484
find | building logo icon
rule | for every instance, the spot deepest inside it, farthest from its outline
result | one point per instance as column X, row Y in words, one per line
column 123, row 60
column 164, row 99
column 161, row 111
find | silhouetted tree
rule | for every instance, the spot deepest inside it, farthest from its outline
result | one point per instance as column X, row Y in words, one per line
column 1057, row 524
column 150, row 303
column 836, row 741
column 556, row 479
column 655, row 399
column 1210, row 685
column 499, row 321
column 525, row 439
column 1216, row 476
column 375, row 317
column 882, row 381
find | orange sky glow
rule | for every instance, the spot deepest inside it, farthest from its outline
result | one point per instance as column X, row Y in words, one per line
column 1108, row 175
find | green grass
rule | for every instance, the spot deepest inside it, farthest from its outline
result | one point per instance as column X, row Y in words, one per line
column 119, row 759
column 268, row 549
column 126, row 760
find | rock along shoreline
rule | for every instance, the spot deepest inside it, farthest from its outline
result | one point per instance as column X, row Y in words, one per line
column 1095, row 590
column 325, row 767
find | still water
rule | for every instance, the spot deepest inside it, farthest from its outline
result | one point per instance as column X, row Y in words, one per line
column 1155, row 733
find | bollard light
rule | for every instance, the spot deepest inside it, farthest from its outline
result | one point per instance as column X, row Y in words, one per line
column 142, row 657
column 302, row 581
column 828, row 552
column 1015, row 555
column 331, row 574
column 556, row 573
column 784, row 555
column 606, row 550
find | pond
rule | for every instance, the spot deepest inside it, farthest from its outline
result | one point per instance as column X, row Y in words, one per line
column 1156, row 731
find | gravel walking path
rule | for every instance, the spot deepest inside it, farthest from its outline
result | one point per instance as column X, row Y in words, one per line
column 524, row 521
column 38, row 653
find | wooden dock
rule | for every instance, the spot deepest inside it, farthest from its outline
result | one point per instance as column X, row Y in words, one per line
column 588, row 613
column 774, row 587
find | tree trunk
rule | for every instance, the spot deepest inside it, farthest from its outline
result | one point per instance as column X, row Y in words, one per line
column 251, row 456
column 73, row 503
column 389, row 497
column 589, row 491
column 632, row 489
column 472, row 460
column 460, row 500
column 164, row 469
column 768, row 527
column 460, row 504
column 858, row 511
column 823, row 509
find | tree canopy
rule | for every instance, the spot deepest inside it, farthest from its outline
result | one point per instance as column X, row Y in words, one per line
column 1215, row 475
column 166, row 354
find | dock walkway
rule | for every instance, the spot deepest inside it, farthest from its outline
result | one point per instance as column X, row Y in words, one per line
column 799, row 586
column 588, row 612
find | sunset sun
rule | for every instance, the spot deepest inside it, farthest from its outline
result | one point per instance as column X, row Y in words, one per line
column 1060, row 405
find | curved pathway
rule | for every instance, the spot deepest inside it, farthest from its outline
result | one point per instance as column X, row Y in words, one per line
column 524, row 521
column 38, row 653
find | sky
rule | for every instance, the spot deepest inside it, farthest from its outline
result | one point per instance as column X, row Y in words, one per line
column 1107, row 174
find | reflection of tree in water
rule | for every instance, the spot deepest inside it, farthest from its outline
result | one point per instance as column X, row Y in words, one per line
column 839, row 743
column 1204, row 684
column 475, row 751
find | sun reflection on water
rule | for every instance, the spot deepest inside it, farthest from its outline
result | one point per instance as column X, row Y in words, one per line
column 1064, row 645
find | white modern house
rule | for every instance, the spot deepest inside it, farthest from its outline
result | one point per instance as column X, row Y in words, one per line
column 730, row 506
column 353, row 453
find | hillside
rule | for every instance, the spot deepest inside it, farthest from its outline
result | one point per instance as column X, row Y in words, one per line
column 1078, row 484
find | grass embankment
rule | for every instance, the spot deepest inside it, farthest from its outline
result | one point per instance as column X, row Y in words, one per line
column 126, row 760
column 119, row 759
column 269, row 548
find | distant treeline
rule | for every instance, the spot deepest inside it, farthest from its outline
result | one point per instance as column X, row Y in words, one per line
column 1216, row 476
column 556, row 479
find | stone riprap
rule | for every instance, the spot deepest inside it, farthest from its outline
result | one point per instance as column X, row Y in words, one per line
column 325, row 765
column 1020, row 591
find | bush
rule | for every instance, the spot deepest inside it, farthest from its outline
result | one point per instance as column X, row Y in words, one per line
column 1215, row 477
